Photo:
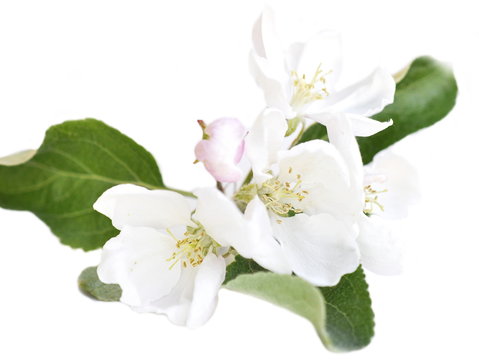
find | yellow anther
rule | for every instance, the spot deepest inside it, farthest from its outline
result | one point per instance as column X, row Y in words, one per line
column 193, row 248
column 371, row 200
column 305, row 92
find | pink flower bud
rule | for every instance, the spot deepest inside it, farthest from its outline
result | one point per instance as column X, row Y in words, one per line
column 222, row 148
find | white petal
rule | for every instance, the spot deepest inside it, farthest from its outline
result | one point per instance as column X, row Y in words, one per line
column 324, row 175
column 340, row 134
column 265, row 250
column 264, row 141
column 193, row 300
column 210, row 276
column 293, row 55
column 221, row 219
column 364, row 126
column 325, row 49
column 136, row 206
column 380, row 249
column 266, row 41
column 400, row 180
column 273, row 82
column 176, row 305
column 137, row 261
column 319, row 248
column 367, row 97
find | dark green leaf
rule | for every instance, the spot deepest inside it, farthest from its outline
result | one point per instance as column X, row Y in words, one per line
column 342, row 314
column 76, row 163
column 241, row 266
column 350, row 318
column 90, row 285
column 315, row 131
column 423, row 96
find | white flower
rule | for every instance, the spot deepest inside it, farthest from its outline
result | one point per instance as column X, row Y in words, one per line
column 300, row 79
column 222, row 148
column 382, row 191
column 167, row 260
column 391, row 186
column 306, row 193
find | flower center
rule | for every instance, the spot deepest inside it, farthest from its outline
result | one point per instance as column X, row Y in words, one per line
column 192, row 249
column 371, row 200
column 279, row 197
column 305, row 92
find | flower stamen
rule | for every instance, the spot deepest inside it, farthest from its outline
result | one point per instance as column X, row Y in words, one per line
column 371, row 200
column 277, row 196
column 305, row 92
column 194, row 247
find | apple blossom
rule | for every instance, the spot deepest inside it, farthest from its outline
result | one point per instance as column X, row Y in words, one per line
column 301, row 79
column 169, row 260
column 222, row 148
column 391, row 187
column 306, row 192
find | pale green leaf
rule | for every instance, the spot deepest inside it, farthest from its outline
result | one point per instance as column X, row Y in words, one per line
column 90, row 285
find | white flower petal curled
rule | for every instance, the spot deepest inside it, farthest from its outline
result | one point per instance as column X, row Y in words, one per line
column 193, row 300
column 136, row 260
column 136, row 206
column 366, row 97
column 266, row 250
column 222, row 149
column 264, row 141
column 208, row 281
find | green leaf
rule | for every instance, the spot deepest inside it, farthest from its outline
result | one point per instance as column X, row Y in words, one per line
column 342, row 314
column 423, row 96
column 90, row 285
column 76, row 163
column 315, row 131
column 241, row 266
column 350, row 317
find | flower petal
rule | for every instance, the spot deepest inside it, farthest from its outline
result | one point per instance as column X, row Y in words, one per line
column 325, row 49
column 137, row 260
column 264, row 141
column 210, row 276
column 193, row 300
column 367, row 97
column 176, row 305
column 266, row 42
column 265, row 250
column 340, row 133
column 364, row 126
column 399, row 178
column 323, row 175
column 273, row 83
column 380, row 249
column 221, row 219
column 320, row 248
column 136, row 206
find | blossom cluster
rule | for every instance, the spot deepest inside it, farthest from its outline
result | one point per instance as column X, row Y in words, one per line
column 305, row 208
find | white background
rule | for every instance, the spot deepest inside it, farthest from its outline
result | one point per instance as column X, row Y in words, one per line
column 150, row 69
